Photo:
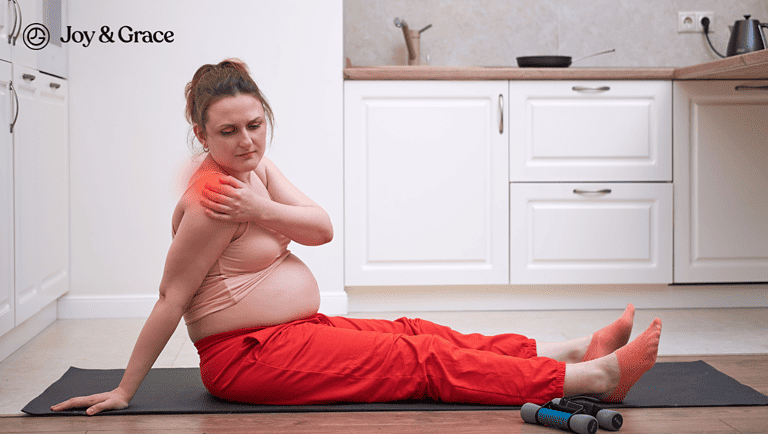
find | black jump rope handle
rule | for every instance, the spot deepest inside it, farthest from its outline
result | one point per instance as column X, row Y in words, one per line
column 580, row 414
column 607, row 419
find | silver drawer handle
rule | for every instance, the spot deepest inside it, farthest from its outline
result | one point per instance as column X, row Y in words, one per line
column 501, row 114
column 591, row 89
column 748, row 87
column 28, row 77
column 603, row 191
column 55, row 85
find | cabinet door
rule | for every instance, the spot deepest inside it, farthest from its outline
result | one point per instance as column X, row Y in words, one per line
column 7, row 321
column 41, row 191
column 590, row 233
column 721, row 180
column 6, row 24
column 590, row 131
column 30, row 13
column 425, row 183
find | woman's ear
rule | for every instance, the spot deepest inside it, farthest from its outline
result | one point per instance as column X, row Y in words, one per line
column 199, row 134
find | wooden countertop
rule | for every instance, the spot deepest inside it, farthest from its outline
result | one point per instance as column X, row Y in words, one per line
column 743, row 67
column 750, row 66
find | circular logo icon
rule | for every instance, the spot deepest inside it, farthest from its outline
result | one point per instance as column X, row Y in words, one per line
column 36, row 36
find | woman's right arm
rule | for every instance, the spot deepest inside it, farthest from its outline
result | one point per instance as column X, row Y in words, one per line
column 198, row 243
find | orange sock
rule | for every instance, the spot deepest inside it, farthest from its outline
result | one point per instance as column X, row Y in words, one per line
column 612, row 337
column 635, row 359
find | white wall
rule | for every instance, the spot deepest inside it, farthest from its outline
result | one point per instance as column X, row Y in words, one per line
column 128, row 135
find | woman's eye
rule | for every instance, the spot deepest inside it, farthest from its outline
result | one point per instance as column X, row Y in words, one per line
column 254, row 126
column 227, row 132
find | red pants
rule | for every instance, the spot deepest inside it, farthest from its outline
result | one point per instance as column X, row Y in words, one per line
column 325, row 360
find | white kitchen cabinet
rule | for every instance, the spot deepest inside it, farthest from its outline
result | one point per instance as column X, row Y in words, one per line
column 7, row 305
column 27, row 12
column 34, row 172
column 41, row 191
column 425, row 183
column 592, row 233
column 721, row 180
column 590, row 131
column 567, row 139
column 16, row 16
column 6, row 29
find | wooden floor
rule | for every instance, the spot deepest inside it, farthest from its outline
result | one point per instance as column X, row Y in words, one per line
column 748, row 369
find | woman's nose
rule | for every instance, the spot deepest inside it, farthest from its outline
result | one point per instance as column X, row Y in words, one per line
column 244, row 138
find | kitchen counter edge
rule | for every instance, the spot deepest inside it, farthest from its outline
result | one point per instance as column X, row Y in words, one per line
column 751, row 66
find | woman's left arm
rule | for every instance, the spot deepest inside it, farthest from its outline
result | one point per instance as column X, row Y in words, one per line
column 291, row 212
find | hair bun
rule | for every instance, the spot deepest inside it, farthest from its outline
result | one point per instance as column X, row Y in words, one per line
column 234, row 63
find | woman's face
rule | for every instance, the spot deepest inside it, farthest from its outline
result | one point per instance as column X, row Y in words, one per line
column 235, row 133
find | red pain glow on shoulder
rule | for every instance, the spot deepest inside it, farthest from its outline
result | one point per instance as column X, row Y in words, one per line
column 190, row 181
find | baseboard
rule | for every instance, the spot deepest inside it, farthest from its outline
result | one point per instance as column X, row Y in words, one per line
column 468, row 298
column 105, row 306
column 140, row 306
column 554, row 297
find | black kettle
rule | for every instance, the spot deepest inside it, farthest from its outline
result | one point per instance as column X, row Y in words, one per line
column 746, row 36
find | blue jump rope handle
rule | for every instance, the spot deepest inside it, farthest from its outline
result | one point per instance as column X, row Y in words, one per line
column 578, row 423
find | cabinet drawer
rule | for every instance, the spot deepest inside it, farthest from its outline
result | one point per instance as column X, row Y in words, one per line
column 590, row 233
column 590, row 131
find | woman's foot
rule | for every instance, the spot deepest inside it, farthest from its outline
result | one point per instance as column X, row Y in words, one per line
column 630, row 362
column 612, row 337
column 601, row 343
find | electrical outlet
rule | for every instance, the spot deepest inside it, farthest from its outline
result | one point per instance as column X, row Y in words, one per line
column 710, row 15
column 686, row 22
column 690, row 22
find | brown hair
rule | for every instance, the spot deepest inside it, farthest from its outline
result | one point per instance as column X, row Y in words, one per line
column 213, row 82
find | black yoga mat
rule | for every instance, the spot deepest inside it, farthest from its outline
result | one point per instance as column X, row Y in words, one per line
column 180, row 391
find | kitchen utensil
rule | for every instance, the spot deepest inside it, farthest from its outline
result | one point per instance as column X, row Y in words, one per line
column 412, row 40
column 553, row 61
column 544, row 61
column 595, row 54
column 746, row 36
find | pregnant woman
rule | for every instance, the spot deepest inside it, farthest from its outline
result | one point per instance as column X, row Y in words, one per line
column 251, row 306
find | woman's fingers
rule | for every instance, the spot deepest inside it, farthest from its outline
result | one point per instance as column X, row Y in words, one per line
column 222, row 194
column 94, row 403
column 218, row 216
column 234, row 182
column 215, row 193
column 79, row 402
column 230, row 201
column 213, row 204
column 110, row 404
column 227, row 185
column 216, row 210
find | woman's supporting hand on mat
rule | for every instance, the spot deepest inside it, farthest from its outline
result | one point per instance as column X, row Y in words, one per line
column 114, row 400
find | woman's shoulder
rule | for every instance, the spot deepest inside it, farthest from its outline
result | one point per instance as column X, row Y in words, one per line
column 262, row 168
column 206, row 173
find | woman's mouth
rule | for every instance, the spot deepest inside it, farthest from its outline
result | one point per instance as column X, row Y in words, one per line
column 247, row 154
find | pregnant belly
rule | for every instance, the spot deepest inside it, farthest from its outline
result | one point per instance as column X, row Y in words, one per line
column 289, row 293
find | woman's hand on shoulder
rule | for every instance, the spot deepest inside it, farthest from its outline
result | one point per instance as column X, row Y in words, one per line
column 114, row 400
column 228, row 199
